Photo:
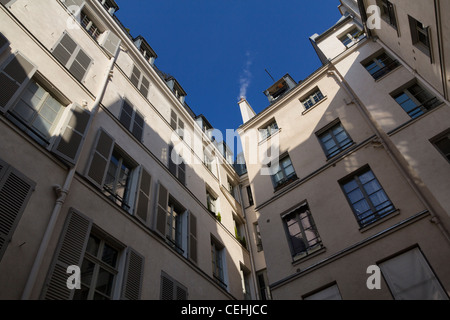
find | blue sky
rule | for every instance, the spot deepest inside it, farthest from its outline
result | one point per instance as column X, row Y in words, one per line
column 220, row 49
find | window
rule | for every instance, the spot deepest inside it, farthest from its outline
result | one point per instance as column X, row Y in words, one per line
column 99, row 270
column 15, row 192
column 415, row 100
column 140, row 81
column 410, row 277
column 380, row 65
column 366, row 197
column 125, row 183
column 103, row 262
column 118, row 180
column 312, row 99
column 172, row 289
column 176, row 224
column 329, row 293
column 258, row 239
column 37, row 112
column 283, row 172
column 250, row 196
column 211, row 201
column 351, row 37
column 177, row 124
column 264, row 289
column 239, row 230
column 233, row 189
column 334, row 140
column 70, row 54
column 388, row 12
column 245, row 278
column 209, row 161
column 132, row 120
column 302, row 234
column 90, row 26
column 420, row 35
column 268, row 130
column 177, row 166
column 442, row 143
column 218, row 263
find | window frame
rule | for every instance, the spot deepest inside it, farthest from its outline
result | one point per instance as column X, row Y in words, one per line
column 351, row 36
column 377, row 62
column 313, row 98
column 388, row 13
column 440, row 137
column 218, row 263
column 286, row 178
column 420, row 108
column 268, row 130
column 329, row 130
column 372, row 211
column 418, row 31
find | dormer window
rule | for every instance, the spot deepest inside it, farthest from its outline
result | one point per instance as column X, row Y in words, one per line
column 110, row 6
column 351, row 37
column 147, row 52
column 280, row 88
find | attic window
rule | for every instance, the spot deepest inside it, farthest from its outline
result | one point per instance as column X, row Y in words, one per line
column 278, row 89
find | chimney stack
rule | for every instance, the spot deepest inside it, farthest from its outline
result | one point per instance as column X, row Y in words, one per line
column 246, row 110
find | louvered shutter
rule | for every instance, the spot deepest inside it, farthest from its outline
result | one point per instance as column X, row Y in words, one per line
column 13, row 77
column 70, row 251
column 167, row 288
column 145, row 86
column 111, row 43
column 15, row 192
column 161, row 210
column 173, row 120
column 134, row 271
column 4, row 43
column 80, row 65
column 192, row 237
column 126, row 115
column 180, row 293
column 182, row 172
column 71, row 4
column 135, row 77
column 64, row 49
column 68, row 145
column 143, row 200
column 181, row 128
column 172, row 165
column 138, row 126
column 100, row 158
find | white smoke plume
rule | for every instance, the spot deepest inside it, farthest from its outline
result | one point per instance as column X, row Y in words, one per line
column 245, row 78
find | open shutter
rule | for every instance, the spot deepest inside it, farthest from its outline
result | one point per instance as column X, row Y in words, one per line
column 192, row 237
column 126, row 115
column 15, row 192
column 75, row 5
column 161, row 210
column 134, row 271
column 69, row 143
column 182, row 172
column 101, row 154
column 430, row 44
column 173, row 120
column 143, row 200
column 172, row 165
column 70, row 251
column 110, row 43
column 13, row 77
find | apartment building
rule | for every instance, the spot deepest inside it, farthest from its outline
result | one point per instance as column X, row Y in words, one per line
column 105, row 167
column 349, row 167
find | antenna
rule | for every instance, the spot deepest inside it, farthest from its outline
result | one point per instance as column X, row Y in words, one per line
column 270, row 75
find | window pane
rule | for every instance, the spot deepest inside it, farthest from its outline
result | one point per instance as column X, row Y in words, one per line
column 87, row 271
column 104, row 281
column 93, row 245
column 110, row 255
column 355, row 196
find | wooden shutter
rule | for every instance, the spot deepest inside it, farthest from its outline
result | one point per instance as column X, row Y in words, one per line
column 171, row 289
column 126, row 115
column 161, row 210
column 192, row 237
column 4, row 43
column 134, row 272
column 173, row 120
column 68, row 145
column 143, row 200
column 15, row 192
column 80, row 65
column 100, row 157
column 181, row 128
column 74, row 3
column 135, row 77
column 64, row 49
column 172, row 165
column 182, row 172
column 138, row 126
column 111, row 43
column 145, row 85
column 70, row 251
column 13, row 77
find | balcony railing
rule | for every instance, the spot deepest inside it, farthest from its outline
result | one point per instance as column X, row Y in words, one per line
column 386, row 69
column 424, row 107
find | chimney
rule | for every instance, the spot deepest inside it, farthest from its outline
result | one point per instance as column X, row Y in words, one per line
column 246, row 110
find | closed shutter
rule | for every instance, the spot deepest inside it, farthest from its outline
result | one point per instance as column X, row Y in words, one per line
column 182, row 172
column 80, row 65
column 13, row 77
column 15, row 192
column 65, row 49
column 126, row 115
column 100, row 157
column 172, row 165
column 134, row 271
column 70, row 251
column 173, row 120
column 161, row 210
column 69, row 143
column 192, row 237
column 138, row 126
column 171, row 289
column 135, row 77
column 143, row 201
column 181, row 128
column 4, row 43
column 145, row 86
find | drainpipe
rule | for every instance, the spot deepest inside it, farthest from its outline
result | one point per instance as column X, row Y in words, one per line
column 247, row 231
column 435, row 210
column 62, row 192
column 437, row 10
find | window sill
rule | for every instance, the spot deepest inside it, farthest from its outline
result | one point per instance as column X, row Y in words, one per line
column 285, row 184
column 393, row 214
column 314, row 106
column 310, row 253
